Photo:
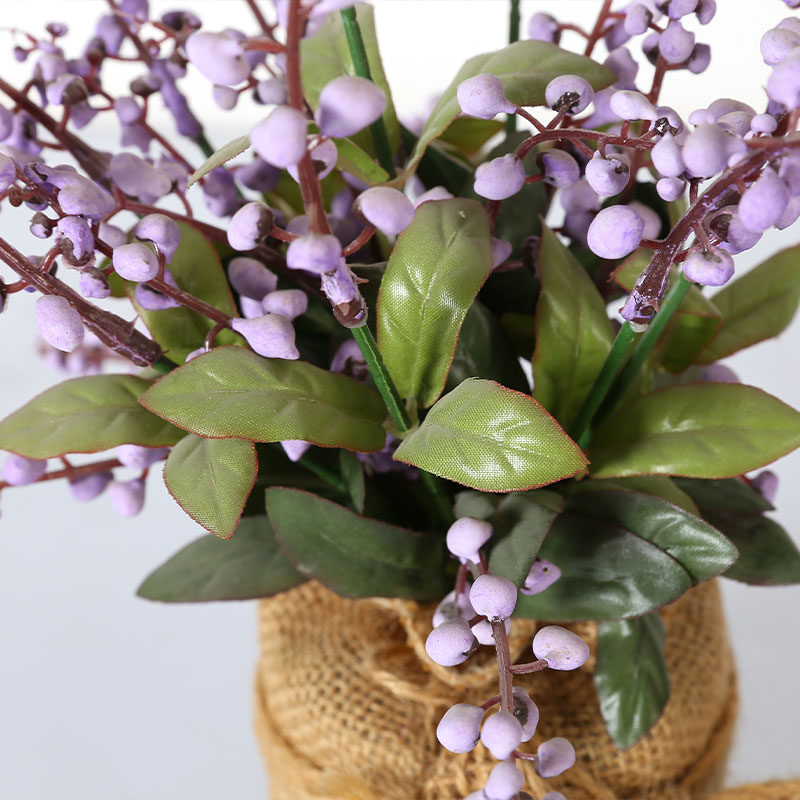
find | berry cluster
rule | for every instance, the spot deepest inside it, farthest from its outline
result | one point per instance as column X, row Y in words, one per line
column 479, row 613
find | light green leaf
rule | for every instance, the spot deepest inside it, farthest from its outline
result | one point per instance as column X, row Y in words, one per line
column 231, row 392
column 225, row 153
column 631, row 676
column 573, row 332
column 490, row 438
column 525, row 69
column 710, row 430
column 210, row 479
column 434, row 273
column 757, row 306
column 248, row 566
column 355, row 556
column 469, row 134
column 85, row 415
column 354, row 160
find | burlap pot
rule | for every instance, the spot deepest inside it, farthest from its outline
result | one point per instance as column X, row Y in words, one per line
column 347, row 704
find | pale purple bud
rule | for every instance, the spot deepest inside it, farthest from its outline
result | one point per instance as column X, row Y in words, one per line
column 112, row 235
column 708, row 268
column 790, row 213
column 702, row 116
column 225, row 97
column 93, row 283
column 258, row 175
column 560, row 169
column 680, row 8
column 555, row 756
column 466, row 536
column 790, row 23
column 271, row 335
column 622, row 64
column 764, row 201
column 152, row 300
column 543, row 28
column 500, row 178
column 576, row 225
column 66, row 90
column 448, row 608
column 580, row 197
column 501, row 734
column 616, row 36
column 128, row 110
column 250, row 226
column 718, row 373
column 59, row 323
column 501, row 251
column 451, row 643
column 289, row 303
column 615, row 232
column 20, row 471
column 137, row 457
column 542, row 575
column 637, row 19
column 219, row 58
column 162, row 231
column 569, row 93
column 8, row 171
column 608, row 176
column 51, row 66
column 127, row 498
column 295, row 449
column 505, row 781
column 81, row 197
column 137, row 177
column 219, row 192
column 484, row 632
column 560, row 648
column 526, row 712
column 763, row 123
column 251, row 308
column 323, row 158
column 667, row 157
column 670, row 189
column 726, row 105
column 280, row 139
column 271, row 91
column 314, row 252
column 135, row 262
column 652, row 222
column 434, row 194
column 726, row 224
column 706, row 10
column 251, row 278
column 766, row 484
column 389, row 210
column 341, row 289
column 349, row 359
column 348, row 104
column 75, row 241
column 783, row 83
column 460, row 728
column 627, row 104
column 493, row 597
column 699, row 59
column 90, row 486
column 777, row 44
column 707, row 149
column 736, row 122
column 676, row 43
column 483, row 96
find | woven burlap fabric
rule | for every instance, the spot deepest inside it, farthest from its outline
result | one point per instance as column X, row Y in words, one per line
column 347, row 705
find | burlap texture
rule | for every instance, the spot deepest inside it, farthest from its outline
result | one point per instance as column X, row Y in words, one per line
column 347, row 705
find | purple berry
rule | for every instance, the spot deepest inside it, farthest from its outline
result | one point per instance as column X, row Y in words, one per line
column 466, row 536
column 162, row 231
column 615, row 232
column 580, row 197
column 622, row 64
column 783, row 83
column 676, row 43
column 500, row 178
column 763, row 123
column 219, row 58
column 667, row 157
column 451, row 642
column 484, row 632
column 542, row 575
column 323, row 158
column 250, row 226
column 348, row 104
column 138, row 457
column 526, row 712
column 560, row 648
column 314, row 252
column 766, row 484
column 560, row 169
column 271, row 91
column 699, row 59
column 436, row 193
column 628, row 104
column 501, row 734
column 81, row 197
column 670, row 189
column 127, row 498
column 20, row 471
column 280, row 139
column 460, row 728
column 59, row 323
column 138, row 178
column 389, row 210
column 90, row 486
column 543, row 28
column 713, row 267
column 705, row 11
column 637, row 19
column 94, row 284
column 555, row 756
column 501, row 251
column 289, row 303
column 295, row 449
column 707, row 149
column 448, row 608
column 270, row 335
column 777, row 43
column 505, row 781
column 568, row 93
column 75, row 241
column 493, row 597
column 764, row 201
column 251, row 278
column 608, row 176
column 484, row 96
column 135, row 262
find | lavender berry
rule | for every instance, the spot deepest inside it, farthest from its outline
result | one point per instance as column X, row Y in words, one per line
column 560, row 648
column 59, row 323
column 460, row 728
column 483, row 96
column 451, row 642
column 501, row 734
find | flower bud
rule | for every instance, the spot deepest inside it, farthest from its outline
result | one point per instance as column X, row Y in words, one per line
column 94, row 284
column 460, row 728
column 466, row 536
column 615, row 232
column 389, row 210
column 555, row 756
column 138, row 457
column 630, row 105
column 451, row 643
column 501, row 734
column 500, row 178
column 526, row 712
column 608, row 175
column 135, row 262
column 162, row 231
column 560, row 169
column 569, row 93
column 676, row 43
column 713, row 267
column 542, row 575
column 20, row 471
column 59, row 323
column 314, row 252
column 493, row 597
column 127, row 498
column 250, row 226
column 219, row 58
column 289, row 303
column 271, row 335
column 280, row 139
column 348, row 104
column 764, row 201
column 90, row 486
column 75, row 241
column 505, row 781
column 560, row 648
column 250, row 278
column 483, row 96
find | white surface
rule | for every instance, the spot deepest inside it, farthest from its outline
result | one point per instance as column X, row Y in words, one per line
column 106, row 696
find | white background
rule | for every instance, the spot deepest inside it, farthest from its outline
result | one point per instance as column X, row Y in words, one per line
column 106, row 696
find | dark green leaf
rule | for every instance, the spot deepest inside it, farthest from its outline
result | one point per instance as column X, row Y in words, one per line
column 353, row 474
column 631, row 676
column 248, row 566
column 728, row 494
column 521, row 331
column 231, row 392
column 434, row 273
column 355, row 556
column 573, row 332
column 757, row 306
column 475, row 504
column 85, row 415
column 211, row 479
column 655, row 485
column 711, row 430
column 488, row 437
column 439, row 167
column 483, row 351
column 525, row 69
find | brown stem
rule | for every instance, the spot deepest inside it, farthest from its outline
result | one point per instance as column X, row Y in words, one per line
column 359, row 241
column 190, row 301
column 597, row 31
column 527, row 669
column 260, row 19
column 115, row 332
column 577, row 134
column 144, row 55
column 658, row 79
column 503, row 666
column 72, row 472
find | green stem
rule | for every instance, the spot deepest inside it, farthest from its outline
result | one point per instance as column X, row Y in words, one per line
column 164, row 365
column 646, row 344
column 323, row 472
column 358, row 53
column 513, row 36
column 205, row 145
column 613, row 364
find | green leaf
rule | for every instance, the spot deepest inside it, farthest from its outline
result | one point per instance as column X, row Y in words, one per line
column 573, row 332
column 757, row 306
column 210, row 479
column 326, row 55
column 525, row 69
column 248, row 566
column 692, row 327
column 767, row 554
column 483, row 351
column 85, row 415
column 434, row 273
column 225, row 153
column 631, row 676
column 710, row 430
column 607, row 573
column 353, row 474
column 469, row 134
column 354, row 160
column 728, row 494
column 231, row 392
column 488, row 437
column 628, row 272
column 521, row 330
column 355, row 556
column 655, row 485
column 700, row 549
column 197, row 270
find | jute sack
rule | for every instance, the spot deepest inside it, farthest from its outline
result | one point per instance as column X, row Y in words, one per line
column 347, row 705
